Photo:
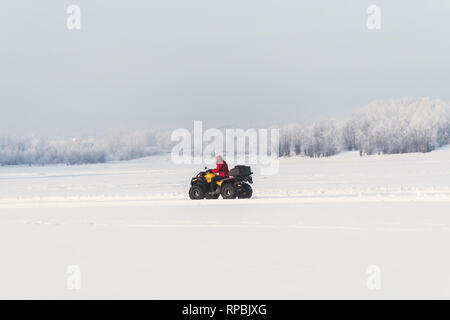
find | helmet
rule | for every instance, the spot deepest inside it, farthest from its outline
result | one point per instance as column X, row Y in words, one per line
column 219, row 160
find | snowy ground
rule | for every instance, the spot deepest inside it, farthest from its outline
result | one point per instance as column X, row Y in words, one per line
column 311, row 231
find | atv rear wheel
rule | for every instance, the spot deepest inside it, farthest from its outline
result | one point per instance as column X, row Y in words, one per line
column 246, row 192
column 228, row 191
column 196, row 193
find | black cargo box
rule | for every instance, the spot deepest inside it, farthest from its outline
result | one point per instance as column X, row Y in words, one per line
column 241, row 171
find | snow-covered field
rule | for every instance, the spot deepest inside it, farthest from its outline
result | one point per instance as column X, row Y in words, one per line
column 312, row 230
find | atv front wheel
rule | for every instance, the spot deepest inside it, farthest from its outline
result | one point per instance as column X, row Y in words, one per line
column 228, row 192
column 196, row 193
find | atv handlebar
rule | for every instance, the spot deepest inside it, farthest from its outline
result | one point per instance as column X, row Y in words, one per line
column 201, row 173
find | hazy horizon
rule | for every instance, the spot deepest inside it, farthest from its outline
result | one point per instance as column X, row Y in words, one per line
column 162, row 65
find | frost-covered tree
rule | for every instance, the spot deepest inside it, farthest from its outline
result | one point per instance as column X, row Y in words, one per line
column 114, row 146
column 384, row 126
column 399, row 126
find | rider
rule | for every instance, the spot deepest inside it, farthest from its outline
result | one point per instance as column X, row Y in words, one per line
column 221, row 171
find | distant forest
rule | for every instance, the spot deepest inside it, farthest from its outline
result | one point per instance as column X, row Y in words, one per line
column 382, row 127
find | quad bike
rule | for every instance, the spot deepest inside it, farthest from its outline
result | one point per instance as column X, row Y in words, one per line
column 237, row 184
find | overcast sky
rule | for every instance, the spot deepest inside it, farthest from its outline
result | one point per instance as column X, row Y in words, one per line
column 163, row 64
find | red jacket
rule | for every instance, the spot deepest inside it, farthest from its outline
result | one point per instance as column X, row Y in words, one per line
column 222, row 169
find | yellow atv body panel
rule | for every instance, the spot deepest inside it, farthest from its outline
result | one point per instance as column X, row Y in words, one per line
column 209, row 176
